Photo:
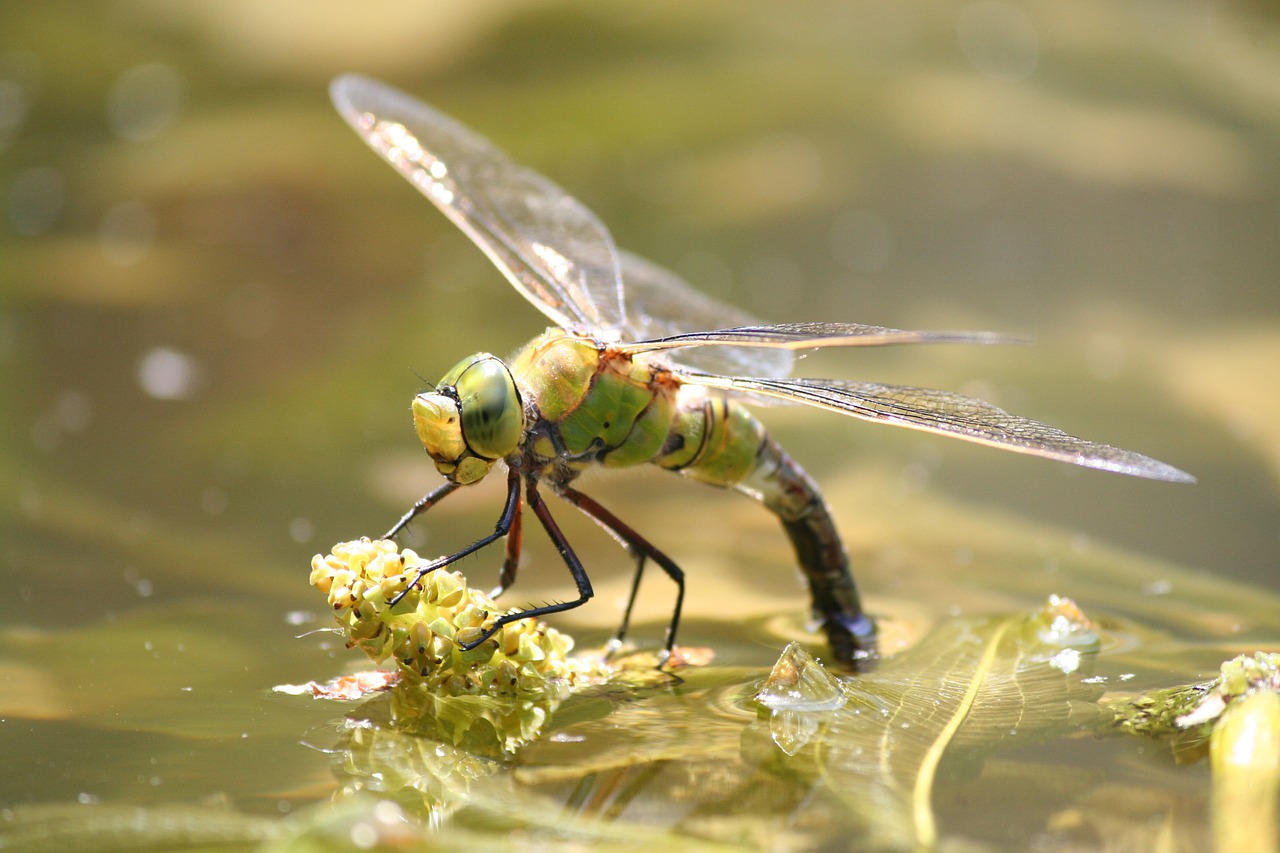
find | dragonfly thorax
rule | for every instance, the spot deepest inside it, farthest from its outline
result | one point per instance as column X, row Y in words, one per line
column 473, row 418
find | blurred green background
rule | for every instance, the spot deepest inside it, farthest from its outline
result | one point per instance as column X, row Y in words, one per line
column 216, row 304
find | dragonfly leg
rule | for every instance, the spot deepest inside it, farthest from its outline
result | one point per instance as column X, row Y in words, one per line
column 567, row 554
column 424, row 503
column 509, row 512
column 639, row 546
column 511, row 558
column 636, row 554
column 621, row 634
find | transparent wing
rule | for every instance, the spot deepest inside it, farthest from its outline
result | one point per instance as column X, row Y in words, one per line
column 660, row 305
column 947, row 414
column 548, row 244
column 665, row 313
column 794, row 336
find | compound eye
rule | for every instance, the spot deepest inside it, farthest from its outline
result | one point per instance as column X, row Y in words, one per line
column 492, row 415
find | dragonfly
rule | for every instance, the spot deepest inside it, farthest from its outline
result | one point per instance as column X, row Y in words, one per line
column 640, row 368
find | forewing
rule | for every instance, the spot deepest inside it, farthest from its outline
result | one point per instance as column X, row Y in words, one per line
column 948, row 414
column 660, row 305
column 547, row 243
column 794, row 336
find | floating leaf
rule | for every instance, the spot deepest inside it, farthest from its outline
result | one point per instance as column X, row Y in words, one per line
column 967, row 684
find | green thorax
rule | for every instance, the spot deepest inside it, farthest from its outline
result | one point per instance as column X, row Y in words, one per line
column 593, row 404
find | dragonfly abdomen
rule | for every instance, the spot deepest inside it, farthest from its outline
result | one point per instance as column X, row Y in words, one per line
column 784, row 487
column 712, row 440
column 720, row 442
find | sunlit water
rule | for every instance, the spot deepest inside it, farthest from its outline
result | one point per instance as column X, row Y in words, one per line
column 215, row 305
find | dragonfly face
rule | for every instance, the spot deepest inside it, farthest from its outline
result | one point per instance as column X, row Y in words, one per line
column 472, row 419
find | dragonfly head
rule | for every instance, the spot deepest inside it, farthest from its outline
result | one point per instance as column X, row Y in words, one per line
column 472, row 419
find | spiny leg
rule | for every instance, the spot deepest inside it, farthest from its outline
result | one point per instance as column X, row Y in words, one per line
column 509, row 512
column 639, row 556
column 511, row 558
column 566, row 553
column 637, row 544
column 424, row 503
column 621, row 634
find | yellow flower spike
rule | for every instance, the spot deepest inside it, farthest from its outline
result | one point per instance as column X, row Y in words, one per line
column 451, row 588
column 321, row 574
column 530, row 650
column 420, row 636
column 406, row 605
column 429, row 588
column 389, row 587
column 365, row 629
column 528, row 679
column 442, row 626
column 374, row 572
column 468, row 635
column 439, row 648
column 470, row 616
column 372, row 597
column 363, row 609
column 422, row 632
column 479, row 656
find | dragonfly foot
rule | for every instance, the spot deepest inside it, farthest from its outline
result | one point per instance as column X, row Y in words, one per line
column 613, row 647
column 422, row 573
column 853, row 639
column 482, row 637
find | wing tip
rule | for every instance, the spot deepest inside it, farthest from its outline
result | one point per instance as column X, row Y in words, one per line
column 1175, row 475
column 343, row 94
column 340, row 88
column 353, row 94
column 1140, row 466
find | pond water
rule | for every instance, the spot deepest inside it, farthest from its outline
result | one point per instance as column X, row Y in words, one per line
column 216, row 304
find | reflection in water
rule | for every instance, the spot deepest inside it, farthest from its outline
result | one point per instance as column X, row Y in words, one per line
column 655, row 761
column 643, row 758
